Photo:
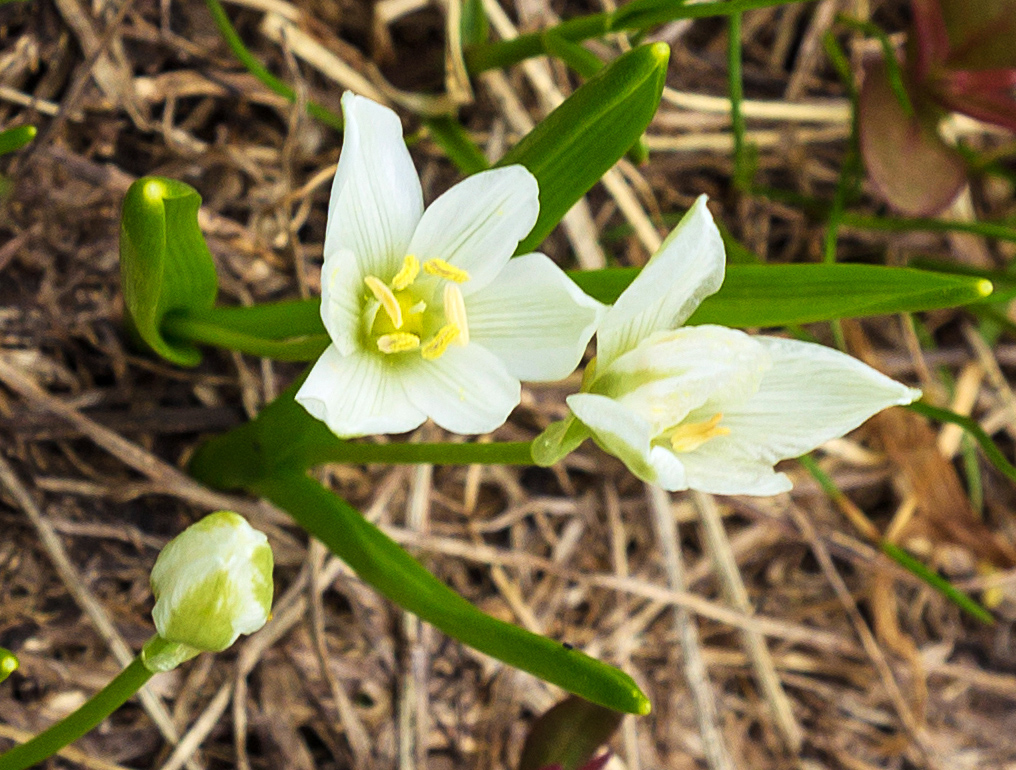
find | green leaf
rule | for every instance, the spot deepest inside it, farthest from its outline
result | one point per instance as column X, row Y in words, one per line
column 568, row 735
column 474, row 27
column 771, row 295
column 14, row 139
column 381, row 562
column 8, row 663
column 284, row 438
column 751, row 296
column 165, row 265
column 578, row 142
column 781, row 295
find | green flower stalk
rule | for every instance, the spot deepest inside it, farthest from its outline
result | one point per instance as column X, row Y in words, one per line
column 211, row 583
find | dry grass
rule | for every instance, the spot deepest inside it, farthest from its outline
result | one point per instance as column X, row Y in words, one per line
column 800, row 633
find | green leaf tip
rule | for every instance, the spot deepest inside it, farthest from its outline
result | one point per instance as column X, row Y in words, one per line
column 660, row 51
column 8, row 663
column 166, row 268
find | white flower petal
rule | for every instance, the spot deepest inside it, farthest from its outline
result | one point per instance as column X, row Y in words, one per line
column 627, row 436
column 724, row 466
column 376, row 199
column 479, row 222
column 342, row 291
column 687, row 268
column 810, row 395
column 534, row 318
column 671, row 373
column 466, row 390
column 359, row 394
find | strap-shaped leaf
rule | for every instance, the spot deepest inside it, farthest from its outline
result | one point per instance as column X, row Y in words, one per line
column 382, row 563
column 15, row 138
column 165, row 265
column 783, row 295
column 589, row 132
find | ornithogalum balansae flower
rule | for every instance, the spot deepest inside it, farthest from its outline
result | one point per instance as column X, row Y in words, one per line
column 428, row 314
column 707, row 407
column 211, row 583
column 960, row 57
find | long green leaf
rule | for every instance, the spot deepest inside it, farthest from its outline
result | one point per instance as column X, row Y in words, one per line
column 382, row 563
column 15, row 138
column 165, row 265
column 284, row 438
column 781, row 295
column 589, row 132
column 751, row 296
column 8, row 663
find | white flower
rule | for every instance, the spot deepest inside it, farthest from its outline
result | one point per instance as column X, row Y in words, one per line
column 707, row 407
column 428, row 314
column 211, row 583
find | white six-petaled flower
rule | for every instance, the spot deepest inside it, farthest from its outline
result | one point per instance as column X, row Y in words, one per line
column 707, row 407
column 428, row 314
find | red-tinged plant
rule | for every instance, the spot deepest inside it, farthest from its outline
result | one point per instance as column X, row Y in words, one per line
column 568, row 735
column 961, row 57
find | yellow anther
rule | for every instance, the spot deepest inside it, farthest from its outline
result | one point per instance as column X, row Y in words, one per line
column 397, row 342
column 442, row 269
column 387, row 299
column 685, row 438
column 455, row 312
column 439, row 343
column 407, row 273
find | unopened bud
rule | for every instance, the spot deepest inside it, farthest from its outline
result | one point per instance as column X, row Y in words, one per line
column 211, row 583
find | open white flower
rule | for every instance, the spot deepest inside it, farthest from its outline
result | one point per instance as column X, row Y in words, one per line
column 707, row 407
column 428, row 314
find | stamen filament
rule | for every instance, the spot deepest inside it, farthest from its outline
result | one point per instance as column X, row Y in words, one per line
column 439, row 343
column 397, row 342
column 407, row 273
column 442, row 269
column 387, row 299
column 455, row 312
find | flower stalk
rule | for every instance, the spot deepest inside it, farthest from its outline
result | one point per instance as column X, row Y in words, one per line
column 72, row 727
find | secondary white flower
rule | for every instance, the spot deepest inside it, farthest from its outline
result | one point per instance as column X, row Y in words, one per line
column 428, row 314
column 211, row 583
column 707, row 407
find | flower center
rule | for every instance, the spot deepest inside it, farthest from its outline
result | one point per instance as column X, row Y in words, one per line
column 690, row 436
column 400, row 319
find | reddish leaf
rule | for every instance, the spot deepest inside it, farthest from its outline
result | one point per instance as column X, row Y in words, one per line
column 907, row 161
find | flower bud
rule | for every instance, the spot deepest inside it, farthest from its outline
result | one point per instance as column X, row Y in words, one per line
column 211, row 583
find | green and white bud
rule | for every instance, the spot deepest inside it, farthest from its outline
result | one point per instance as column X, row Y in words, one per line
column 211, row 583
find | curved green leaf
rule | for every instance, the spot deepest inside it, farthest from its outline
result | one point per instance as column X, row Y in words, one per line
column 578, row 142
column 15, row 138
column 8, row 663
column 382, row 563
column 751, row 296
column 165, row 265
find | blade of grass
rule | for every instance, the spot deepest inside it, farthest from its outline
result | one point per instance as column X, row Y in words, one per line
column 258, row 70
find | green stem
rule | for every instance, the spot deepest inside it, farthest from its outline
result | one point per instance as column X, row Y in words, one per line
column 640, row 16
column 382, row 563
column 72, row 727
column 894, row 552
column 735, row 88
column 451, row 137
column 971, row 426
column 284, row 438
column 204, row 332
column 258, row 70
